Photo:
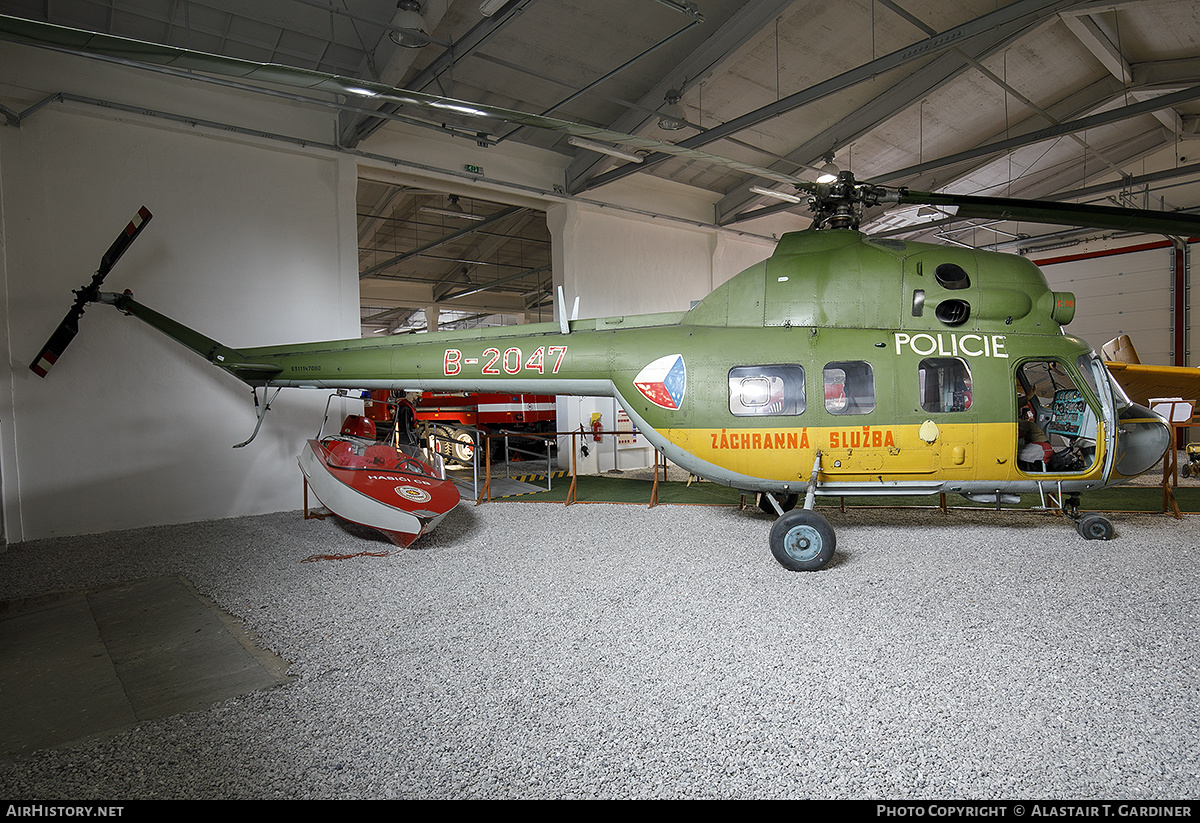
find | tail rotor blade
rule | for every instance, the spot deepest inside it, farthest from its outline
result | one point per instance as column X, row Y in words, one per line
column 69, row 327
column 124, row 241
column 59, row 340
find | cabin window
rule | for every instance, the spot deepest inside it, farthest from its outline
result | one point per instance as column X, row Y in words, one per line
column 766, row 390
column 945, row 384
column 849, row 387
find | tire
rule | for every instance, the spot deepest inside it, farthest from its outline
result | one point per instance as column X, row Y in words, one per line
column 463, row 447
column 802, row 541
column 1094, row 526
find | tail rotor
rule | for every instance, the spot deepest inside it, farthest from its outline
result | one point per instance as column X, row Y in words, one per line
column 89, row 293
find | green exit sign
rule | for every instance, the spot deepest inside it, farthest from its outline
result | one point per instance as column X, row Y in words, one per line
column 473, row 169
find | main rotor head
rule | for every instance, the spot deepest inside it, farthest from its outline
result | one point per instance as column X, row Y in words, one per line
column 840, row 204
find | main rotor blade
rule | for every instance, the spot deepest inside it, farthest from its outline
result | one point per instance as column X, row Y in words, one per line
column 76, row 41
column 1067, row 214
column 69, row 327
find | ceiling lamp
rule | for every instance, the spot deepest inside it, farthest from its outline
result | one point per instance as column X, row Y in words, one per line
column 408, row 19
column 672, row 114
column 829, row 172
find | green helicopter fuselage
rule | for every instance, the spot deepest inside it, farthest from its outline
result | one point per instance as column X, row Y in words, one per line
column 890, row 367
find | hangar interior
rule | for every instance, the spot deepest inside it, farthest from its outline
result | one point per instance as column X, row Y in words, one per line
column 285, row 211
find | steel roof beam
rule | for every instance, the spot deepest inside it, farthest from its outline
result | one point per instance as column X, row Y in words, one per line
column 893, row 101
column 748, row 22
column 1148, row 106
column 1174, row 75
column 364, row 127
column 474, row 227
column 1026, row 12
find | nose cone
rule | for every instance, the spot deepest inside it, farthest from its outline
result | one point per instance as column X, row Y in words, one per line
column 1142, row 440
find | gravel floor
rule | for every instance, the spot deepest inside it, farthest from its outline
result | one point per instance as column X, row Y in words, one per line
column 532, row 650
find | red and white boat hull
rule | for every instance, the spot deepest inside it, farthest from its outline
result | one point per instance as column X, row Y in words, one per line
column 399, row 497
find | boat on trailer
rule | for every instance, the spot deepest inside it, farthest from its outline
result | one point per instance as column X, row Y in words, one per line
column 399, row 490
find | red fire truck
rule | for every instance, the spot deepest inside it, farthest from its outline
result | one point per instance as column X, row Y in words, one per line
column 456, row 417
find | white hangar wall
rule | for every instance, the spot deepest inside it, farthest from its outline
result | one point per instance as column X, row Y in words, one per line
column 250, row 243
column 1121, row 287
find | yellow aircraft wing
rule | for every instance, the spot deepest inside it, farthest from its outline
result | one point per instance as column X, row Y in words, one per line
column 1143, row 382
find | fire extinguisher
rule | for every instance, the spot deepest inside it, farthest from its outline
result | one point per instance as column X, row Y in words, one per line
column 596, row 427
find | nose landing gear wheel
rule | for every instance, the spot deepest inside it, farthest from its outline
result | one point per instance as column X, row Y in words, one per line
column 1094, row 526
column 802, row 540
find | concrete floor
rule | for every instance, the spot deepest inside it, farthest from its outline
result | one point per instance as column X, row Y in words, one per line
column 85, row 664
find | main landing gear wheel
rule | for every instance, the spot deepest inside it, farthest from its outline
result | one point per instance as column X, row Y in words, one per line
column 802, row 540
column 1092, row 526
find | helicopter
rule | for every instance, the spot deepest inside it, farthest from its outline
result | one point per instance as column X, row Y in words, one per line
column 842, row 365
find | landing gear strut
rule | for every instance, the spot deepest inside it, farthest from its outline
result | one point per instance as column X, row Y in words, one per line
column 786, row 502
column 801, row 539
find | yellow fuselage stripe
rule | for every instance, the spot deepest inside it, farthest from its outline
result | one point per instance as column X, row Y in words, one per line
column 958, row 452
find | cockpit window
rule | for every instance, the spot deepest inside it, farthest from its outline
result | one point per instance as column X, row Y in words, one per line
column 1122, row 399
column 766, row 390
column 1056, row 424
column 1097, row 367
column 1084, row 363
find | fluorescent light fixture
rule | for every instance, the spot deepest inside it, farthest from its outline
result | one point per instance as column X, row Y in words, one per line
column 489, row 7
column 461, row 108
column 603, row 149
column 778, row 195
column 461, row 215
column 684, row 7
column 455, row 210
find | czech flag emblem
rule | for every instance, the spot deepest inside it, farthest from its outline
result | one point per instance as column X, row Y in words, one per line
column 663, row 382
